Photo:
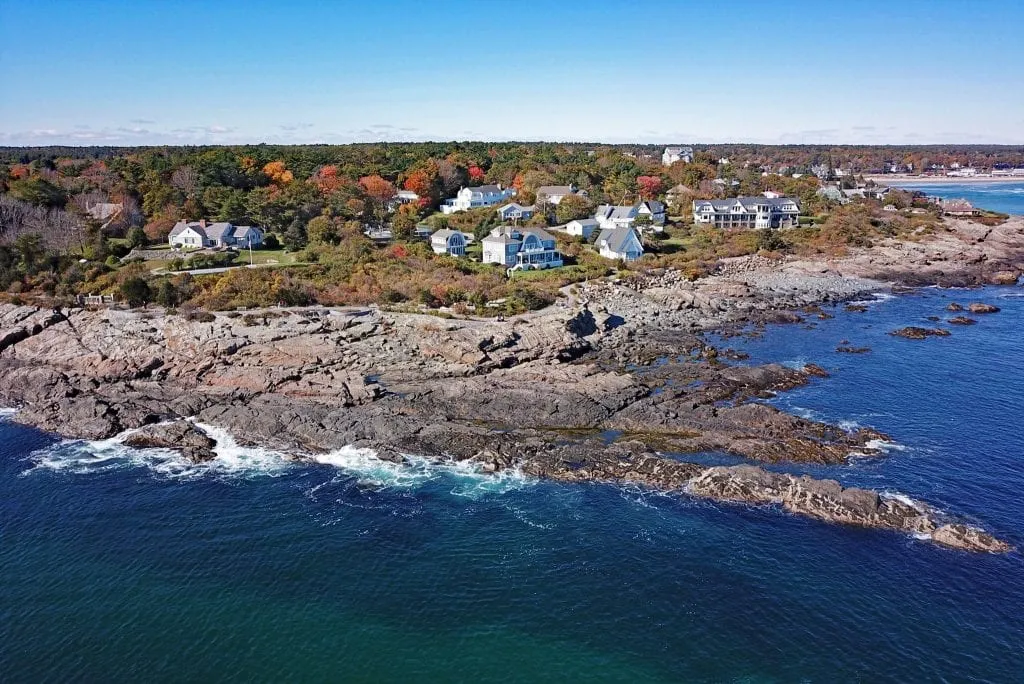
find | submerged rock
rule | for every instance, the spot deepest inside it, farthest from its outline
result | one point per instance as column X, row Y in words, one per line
column 852, row 350
column 962, row 320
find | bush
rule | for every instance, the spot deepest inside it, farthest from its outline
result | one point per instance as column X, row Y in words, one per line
column 135, row 291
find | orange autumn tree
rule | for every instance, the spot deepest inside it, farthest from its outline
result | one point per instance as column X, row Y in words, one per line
column 277, row 173
column 423, row 181
column 326, row 179
column 377, row 188
column 379, row 192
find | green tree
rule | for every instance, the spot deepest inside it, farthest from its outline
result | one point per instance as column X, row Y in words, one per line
column 295, row 237
column 573, row 207
column 135, row 291
column 321, row 230
column 30, row 252
column 137, row 237
column 38, row 191
column 167, row 295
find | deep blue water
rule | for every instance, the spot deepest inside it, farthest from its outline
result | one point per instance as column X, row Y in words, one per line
column 1003, row 196
column 120, row 565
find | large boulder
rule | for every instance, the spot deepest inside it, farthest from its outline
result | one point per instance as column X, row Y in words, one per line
column 183, row 436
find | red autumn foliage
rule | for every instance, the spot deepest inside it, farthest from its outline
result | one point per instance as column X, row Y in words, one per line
column 326, row 179
column 649, row 186
column 476, row 173
column 397, row 252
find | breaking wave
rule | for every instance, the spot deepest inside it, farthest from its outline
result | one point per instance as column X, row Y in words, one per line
column 465, row 478
column 236, row 461
column 96, row 456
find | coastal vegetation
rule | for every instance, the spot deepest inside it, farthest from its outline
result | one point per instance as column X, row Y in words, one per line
column 316, row 203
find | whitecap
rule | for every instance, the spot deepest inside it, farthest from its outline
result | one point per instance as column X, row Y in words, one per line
column 906, row 500
column 467, row 478
column 6, row 413
column 95, row 456
column 233, row 460
column 884, row 445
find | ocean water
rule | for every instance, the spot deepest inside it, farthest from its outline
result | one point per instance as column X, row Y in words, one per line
column 122, row 565
column 1004, row 196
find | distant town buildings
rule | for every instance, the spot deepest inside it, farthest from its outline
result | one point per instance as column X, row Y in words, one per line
column 671, row 155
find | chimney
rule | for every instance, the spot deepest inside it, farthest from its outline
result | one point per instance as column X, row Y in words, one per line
column 202, row 223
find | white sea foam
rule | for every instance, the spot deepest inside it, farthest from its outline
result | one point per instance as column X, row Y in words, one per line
column 876, row 298
column 7, row 413
column 904, row 499
column 467, row 479
column 233, row 460
column 884, row 445
column 94, row 456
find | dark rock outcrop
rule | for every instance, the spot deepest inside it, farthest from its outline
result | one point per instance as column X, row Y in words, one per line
column 913, row 332
column 982, row 308
column 183, row 436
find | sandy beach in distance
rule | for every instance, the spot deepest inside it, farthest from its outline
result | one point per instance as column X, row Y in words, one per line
column 903, row 179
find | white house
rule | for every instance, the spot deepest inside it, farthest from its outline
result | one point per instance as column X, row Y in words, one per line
column 514, row 211
column 747, row 212
column 554, row 194
column 610, row 216
column 671, row 155
column 582, row 227
column 474, row 198
column 620, row 243
column 656, row 211
column 199, row 234
column 448, row 242
column 521, row 248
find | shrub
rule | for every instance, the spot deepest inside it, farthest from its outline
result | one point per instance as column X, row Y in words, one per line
column 135, row 291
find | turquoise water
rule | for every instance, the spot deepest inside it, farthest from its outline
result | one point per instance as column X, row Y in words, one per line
column 120, row 565
column 1004, row 197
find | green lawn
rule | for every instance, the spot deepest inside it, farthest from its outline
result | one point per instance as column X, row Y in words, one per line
column 266, row 256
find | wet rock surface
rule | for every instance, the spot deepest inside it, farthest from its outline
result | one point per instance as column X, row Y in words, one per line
column 183, row 436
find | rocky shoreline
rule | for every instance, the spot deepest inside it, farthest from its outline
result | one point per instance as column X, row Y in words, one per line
column 598, row 387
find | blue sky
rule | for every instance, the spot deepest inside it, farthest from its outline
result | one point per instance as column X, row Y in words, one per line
column 182, row 71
